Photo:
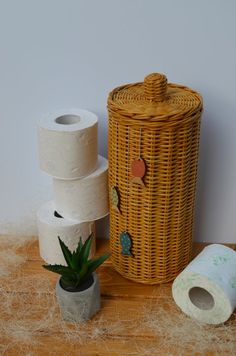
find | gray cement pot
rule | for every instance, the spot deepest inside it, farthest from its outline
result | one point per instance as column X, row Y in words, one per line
column 79, row 306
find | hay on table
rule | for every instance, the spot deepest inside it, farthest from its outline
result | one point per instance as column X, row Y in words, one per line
column 30, row 317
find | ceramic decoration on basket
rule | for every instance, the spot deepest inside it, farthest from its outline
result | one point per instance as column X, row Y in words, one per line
column 154, row 130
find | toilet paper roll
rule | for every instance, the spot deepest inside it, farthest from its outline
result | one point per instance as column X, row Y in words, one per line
column 84, row 199
column 67, row 143
column 206, row 289
column 50, row 227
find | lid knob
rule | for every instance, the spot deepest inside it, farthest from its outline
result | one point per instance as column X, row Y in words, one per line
column 155, row 86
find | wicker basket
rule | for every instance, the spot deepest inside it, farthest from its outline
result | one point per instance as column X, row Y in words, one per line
column 159, row 123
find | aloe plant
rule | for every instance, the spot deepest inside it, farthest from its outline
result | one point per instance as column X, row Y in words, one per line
column 79, row 267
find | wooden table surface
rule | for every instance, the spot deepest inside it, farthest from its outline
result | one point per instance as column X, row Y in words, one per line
column 120, row 297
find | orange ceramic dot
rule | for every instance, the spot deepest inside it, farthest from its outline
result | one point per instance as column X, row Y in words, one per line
column 138, row 168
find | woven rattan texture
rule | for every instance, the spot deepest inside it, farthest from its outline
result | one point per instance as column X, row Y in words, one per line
column 159, row 216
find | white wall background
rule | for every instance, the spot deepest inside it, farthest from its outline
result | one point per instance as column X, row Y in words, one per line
column 68, row 53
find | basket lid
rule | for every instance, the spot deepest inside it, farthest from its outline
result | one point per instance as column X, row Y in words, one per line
column 154, row 98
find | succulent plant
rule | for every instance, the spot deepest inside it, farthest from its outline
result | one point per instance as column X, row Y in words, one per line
column 79, row 267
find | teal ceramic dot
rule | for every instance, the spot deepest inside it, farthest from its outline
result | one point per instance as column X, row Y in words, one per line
column 126, row 243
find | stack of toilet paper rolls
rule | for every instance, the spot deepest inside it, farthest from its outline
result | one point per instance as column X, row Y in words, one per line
column 68, row 151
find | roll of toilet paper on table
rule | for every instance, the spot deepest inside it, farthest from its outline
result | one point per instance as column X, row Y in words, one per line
column 84, row 199
column 206, row 289
column 67, row 143
column 50, row 226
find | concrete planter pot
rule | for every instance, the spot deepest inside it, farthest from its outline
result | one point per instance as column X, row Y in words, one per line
column 80, row 305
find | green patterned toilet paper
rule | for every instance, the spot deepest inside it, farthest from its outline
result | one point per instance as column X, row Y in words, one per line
column 206, row 289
